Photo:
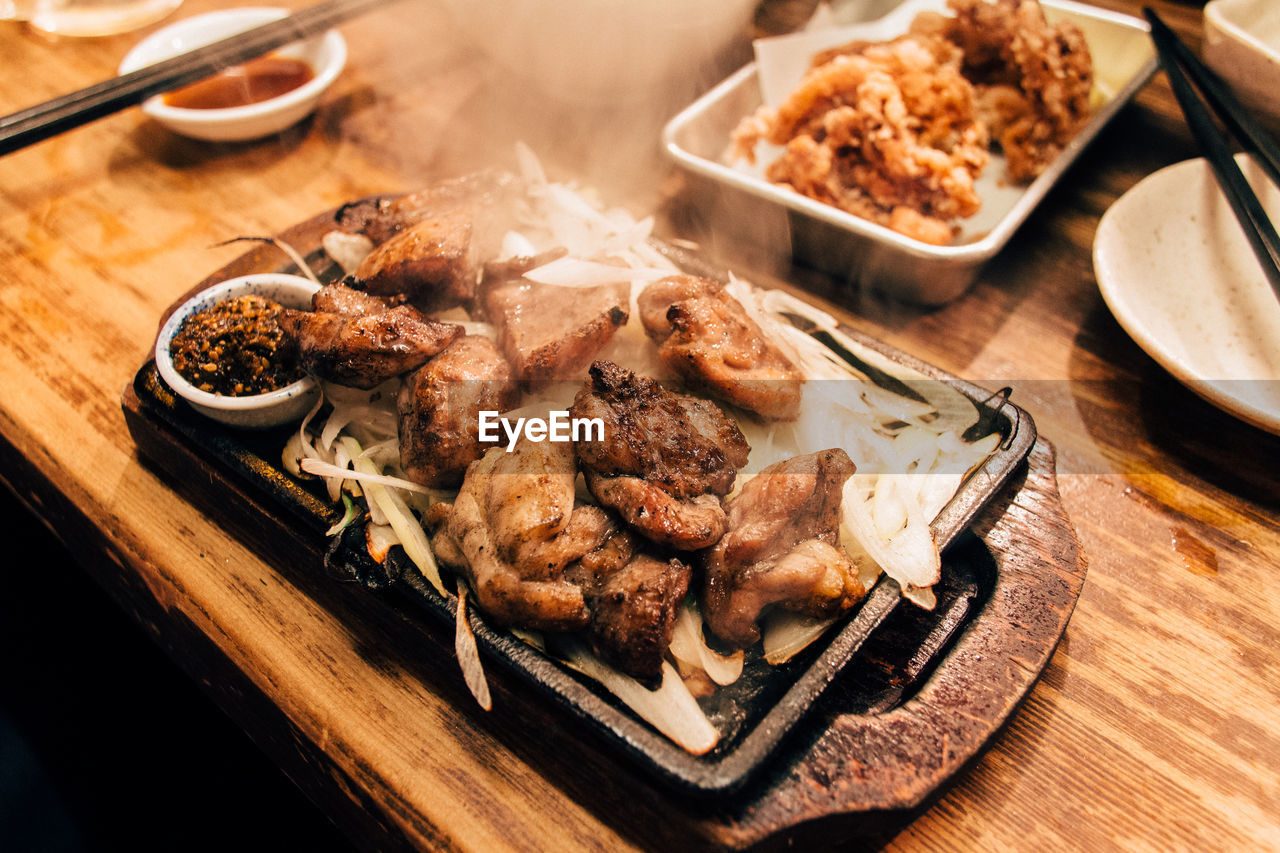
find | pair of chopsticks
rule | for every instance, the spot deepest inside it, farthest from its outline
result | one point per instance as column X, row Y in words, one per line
column 31, row 125
column 1183, row 67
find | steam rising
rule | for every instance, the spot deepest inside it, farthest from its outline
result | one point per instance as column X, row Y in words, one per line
column 587, row 84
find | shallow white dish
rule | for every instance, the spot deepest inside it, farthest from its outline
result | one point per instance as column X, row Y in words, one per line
column 1242, row 44
column 1177, row 272
column 326, row 54
column 260, row 411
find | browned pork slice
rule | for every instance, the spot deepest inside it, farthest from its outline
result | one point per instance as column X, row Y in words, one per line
column 341, row 299
column 514, row 528
column 665, row 458
column 362, row 351
column 430, row 263
column 782, row 548
column 549, row 332
column 705, row 336
column 439, row 408
column 488, row 195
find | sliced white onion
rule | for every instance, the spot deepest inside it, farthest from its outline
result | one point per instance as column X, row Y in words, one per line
column 911, row 557
column 412, row 537
column 464, row 645
column 689, row 647
column 379, row 538
column 671, row 709
column 347, row 250
column 786, row 634
column 325, row 469
column 573, row 272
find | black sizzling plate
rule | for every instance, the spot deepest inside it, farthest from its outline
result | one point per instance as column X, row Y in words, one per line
column 756, row 714
column 768, row 704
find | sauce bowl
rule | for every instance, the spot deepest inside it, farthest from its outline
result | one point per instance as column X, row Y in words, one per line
column 325, row 54
column 257, row 411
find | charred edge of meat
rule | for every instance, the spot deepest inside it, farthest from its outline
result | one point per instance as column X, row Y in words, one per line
column 348, row 559
column 357, row 216
column 633, row 614
column 705, row 458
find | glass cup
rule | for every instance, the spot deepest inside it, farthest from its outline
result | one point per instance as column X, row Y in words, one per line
column 86, row 17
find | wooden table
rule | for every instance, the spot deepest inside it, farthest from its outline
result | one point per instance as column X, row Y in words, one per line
column 1153, row 726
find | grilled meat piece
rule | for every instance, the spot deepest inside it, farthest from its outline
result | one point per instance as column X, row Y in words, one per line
column 634, row 597
column 549, row 332
column 440, row 404
column 498, row 274
column 705, row 336
column 685, row 524
column 488, row 194
column 341, row 299
column 665, row 457
column 515, row 525
column 782, row 548
column 633, row 613
column 429, row 263
column 362, row 351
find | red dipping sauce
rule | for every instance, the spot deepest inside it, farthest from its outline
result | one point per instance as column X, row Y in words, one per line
column 257, row 80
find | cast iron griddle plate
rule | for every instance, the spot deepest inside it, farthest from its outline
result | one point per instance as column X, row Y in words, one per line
column 755, row 715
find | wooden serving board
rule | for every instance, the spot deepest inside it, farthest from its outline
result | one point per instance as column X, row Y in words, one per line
column 888, row 734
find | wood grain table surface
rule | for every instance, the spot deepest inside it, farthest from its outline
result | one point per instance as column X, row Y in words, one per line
column 1153, row 727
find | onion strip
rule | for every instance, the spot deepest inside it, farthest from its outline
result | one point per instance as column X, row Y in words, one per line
column 325, row 469
column 464, row 646
column 671, row 709
column 407, row 527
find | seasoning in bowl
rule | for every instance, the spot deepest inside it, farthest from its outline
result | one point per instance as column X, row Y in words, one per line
column 252, row 82
column 236, row 347
column 217, row 340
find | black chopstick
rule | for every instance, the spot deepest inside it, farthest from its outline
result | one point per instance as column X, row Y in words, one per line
column 1176, row 58
column 42, row 121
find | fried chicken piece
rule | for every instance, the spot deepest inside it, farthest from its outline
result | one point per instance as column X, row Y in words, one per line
column 512, row 531
column 877, row 129
column 705, row 336
column 665, row 459
column 365, row 350
column 782, row 548
column 1034, row 79
column 439, row 409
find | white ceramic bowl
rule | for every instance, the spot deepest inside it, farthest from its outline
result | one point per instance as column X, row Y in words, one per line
column 1242, row 44
column 326, row 54
column 260, row 411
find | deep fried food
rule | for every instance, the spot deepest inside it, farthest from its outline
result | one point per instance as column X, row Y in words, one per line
column 897, row 132
column 882, row 127
column 1033, row 79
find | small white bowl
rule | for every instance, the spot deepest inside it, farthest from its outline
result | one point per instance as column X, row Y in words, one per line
column 1242, row 44
column 326, row 54
column 260, row 411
